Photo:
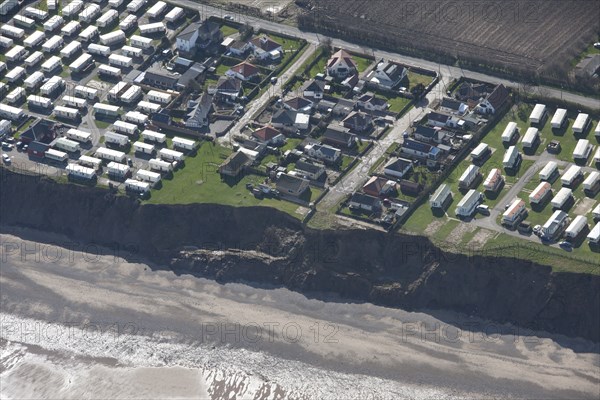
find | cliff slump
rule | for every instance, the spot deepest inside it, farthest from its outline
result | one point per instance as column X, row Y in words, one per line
column 265, row 246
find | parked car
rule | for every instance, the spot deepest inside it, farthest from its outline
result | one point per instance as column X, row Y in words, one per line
column 5, row 158
column 566, row 245
column 483, row 209
column 228, row 17
column 597, row 45
column 7, row 146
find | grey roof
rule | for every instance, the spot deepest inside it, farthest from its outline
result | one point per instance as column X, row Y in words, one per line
column 298, row 103
column 303, row 165
column 365, row 199
column 162, row 76
column 288, row 182
column 313, row 86
column 228, row 84
column 399, row 165
column 202, row 108
column 451, row 103
column 192, row 73
column 187, row 33
column 286, row 117
column 438, row 117
column 338, row 133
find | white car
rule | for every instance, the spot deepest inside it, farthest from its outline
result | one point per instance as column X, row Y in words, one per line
column 5, row 158
column 597, row 45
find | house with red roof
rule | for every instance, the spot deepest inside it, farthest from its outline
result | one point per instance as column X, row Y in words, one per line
column 265, row 48
column 243, row 71
column 269, row 135
column 341, row 65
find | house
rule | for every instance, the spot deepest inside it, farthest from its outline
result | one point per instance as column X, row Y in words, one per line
column 311, row 170
column 199, row 116
column 427, row 134
column 342, row 108
column 42, row 131
column 494, row 101
column 193, row 74
column 243, row 71
column 589, row 66
column 361, row 201
column 265, row 48
column 358, row 121
column 299, row 104
column 269, row 135
column 292, row 185
column 369, row 101
column 341, row 65
column 323, row 152
column 209, row 33
column 253, row 148
column 283, row 118
column 398, row 168
column 313, row 89
column 161, row 79
column 436, row 119
column 238, row 48
column 453, row 106
column 37, row 149
column 339, row 136
column 198, row 35
column 387, row 75
column 420, row 149
column 378, row 186
column 235, row 164
column 411, row 188
column 227, row 87
column 470, row 91
column 186, row 40
column 351, row 81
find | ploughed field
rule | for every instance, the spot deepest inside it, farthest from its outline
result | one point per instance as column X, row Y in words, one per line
column 528, row 35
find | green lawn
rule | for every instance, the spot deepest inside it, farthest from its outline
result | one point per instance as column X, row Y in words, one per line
column 102, row 124
column 221, row 69
column 229, row 30
column 396, row 103
column 362, row 63
column 286, row 43
column 415, row 78
column 319, row 66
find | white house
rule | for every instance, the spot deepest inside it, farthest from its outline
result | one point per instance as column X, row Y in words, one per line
column 323, row 152
column 387, row 74
column 341, row 65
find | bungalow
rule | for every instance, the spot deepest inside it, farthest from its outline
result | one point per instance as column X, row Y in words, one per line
column 341, row 65
column 494, row 101
column 420, row 149
column 369, row 101
column 398, row 168
column 299, row 104
column 387, row 75
column 343, row 108
column 238, row 48
column 436, row 119
column 358, row 121
column 265, row 48
column 351, row 81
column 269, row 135
column 227, row 87
column 453, row 106
column 313, row 89
column 339, row 136
column 287, row 119
column 243, row 71
column 42, row 131
column 470, row 91
column 235, row 164
column 361, row 201
column 160, row 79
column 323, row 152
column 378, row 186
column 311, row 170
column 292, row 185
column 193, row 73
column 427, row 134
column 199, row 116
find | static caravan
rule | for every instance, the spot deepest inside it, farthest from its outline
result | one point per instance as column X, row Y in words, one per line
column 66, row 112
column 56, row 155
column 140, row 41
column 581, row 124
column 112, row 38
column 90, row 13
column 34, row 80
column 106, row 109
column 72, row 8
column 53, row 23
column 120, row 61
column 183, row 144
column 111, row 155
column 128, row 22
column 23, row 21
column 132, row 94
column 2, row 66
column 5, row 127
column 582, row 150
column 117, row 89
column 144, row 148
column 115, row 3
column 34, row 58
column 530, row 139
column 540, row 193
column 72, row 101
column 592, row 182
column 65, row 144
column 70, row 28
column 136, row 117
column 597, row 157
column 493, row 181
column 510, row 132
column 597, row 131
column 79, row 171
column 578, row 224
column 107, row 18
column 125, row 127
column 596, row 212
column 3, row 88
column 107, row 70
column 99, row 49
column 79, row 135
column 467, row 205
column 515, row 212
column 148, row 107
column 14, row 74
column 12, row 31
column 51, row 64
column 7, row 6
column 571, row 175
column 51, row 4
column 594, row 235
column 135, row 5
column 132, row 51
column 88, row 34
column 440, row 196
column 175, row 14
column 561, row 198
column 157, row 10
column 52, row 44
column 148, row 176
column 52, row 84
column 160, row 165
column 559, row 118
column 81, row 63
column 10, row 112
column 468, row 177
column 154, row 27
column 137, row 186
column 152, row 136
column 159, row 97
column 35, row 13
column 555, row 225
column 118, row 170
column 87, row 92
column 538, row 115
column 170, row 155
column 16, row 53
column 69, row 50
column 116, row 139
column 91, row 162
column 511, row 158
column 34, row 39
column 480, row 152
column 16, row 95
column 6, row 42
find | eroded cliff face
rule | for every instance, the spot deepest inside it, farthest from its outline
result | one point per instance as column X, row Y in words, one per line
column 265, row 246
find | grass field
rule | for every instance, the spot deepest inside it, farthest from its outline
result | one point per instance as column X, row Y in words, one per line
column 396, row 103
column 362, row 63
column 229, row 30
column 414, row 78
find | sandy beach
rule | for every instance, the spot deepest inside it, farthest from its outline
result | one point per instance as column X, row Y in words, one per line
column 77, row 324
